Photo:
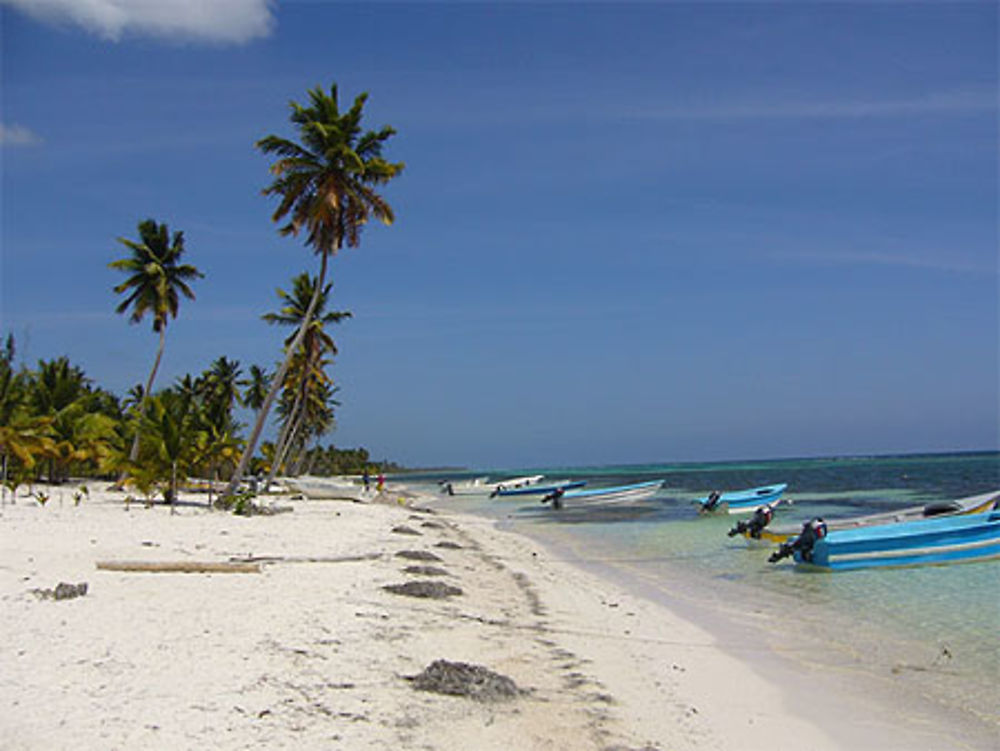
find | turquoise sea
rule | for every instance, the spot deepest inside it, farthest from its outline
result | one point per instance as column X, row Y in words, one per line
column 931, row 631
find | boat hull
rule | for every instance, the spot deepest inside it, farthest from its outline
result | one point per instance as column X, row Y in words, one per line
column 620, row 494
column 937, row 541
column 482, row 486
column 971, row 505
column 541, row 489
column 743, row 501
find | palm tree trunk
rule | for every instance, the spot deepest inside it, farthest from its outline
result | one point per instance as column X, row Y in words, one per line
column 287, row 433
column 276, row 383
column 173, row 487
column 293, row 438
column 282, row 443
column 134, row 453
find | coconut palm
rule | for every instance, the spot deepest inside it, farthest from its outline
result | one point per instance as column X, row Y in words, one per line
column 173, row 436
column 306, row 377
column 156, row 280
column 219, row 387
column 256, row 388
column 326, row 185
column 25, row 437
column 314, row 345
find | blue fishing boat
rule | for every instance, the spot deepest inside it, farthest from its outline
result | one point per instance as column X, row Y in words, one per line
column 540, row 489
column 740, row 501
column 618, row 494
column 952, row 539
column 756, row 530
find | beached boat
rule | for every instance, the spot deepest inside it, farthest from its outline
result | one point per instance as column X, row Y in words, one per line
column 971, row 505
column 740, row 501
column 618, row 494
column 329, row 488
column 541, row 488
column 953, row 539
column 482, row 485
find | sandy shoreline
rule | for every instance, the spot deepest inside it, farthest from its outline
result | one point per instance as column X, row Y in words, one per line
column 313, row 652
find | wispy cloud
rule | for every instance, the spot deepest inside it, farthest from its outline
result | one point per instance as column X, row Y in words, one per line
column 943, row 261
column 17, row 135
column 227, row 21
column 961, row 101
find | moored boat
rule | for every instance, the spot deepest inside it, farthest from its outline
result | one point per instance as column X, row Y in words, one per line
column 740, row 501
column 970, row 505
column 482, row 485
column 540, row 488
column 953, row 539
column 618, row 494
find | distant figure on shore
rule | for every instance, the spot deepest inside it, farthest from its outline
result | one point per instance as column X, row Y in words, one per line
column 381, row 482
column 367, row 479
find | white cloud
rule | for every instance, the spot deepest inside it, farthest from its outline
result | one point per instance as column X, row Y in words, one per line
column 17, row 135
column 232, row 21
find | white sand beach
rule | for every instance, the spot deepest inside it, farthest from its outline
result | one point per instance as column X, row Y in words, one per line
column 305, row 648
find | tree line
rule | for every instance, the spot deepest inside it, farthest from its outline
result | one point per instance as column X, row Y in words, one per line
column 55, row 422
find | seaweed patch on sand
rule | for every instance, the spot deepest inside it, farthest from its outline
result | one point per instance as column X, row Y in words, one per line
column 425, row 589
column 463, row 679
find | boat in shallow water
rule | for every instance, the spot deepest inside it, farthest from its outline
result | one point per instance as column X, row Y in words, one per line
column 740, row 501
column 540, row 488
column 482, row 485
column 953, row 539
column 618, row 494
column 974, row 504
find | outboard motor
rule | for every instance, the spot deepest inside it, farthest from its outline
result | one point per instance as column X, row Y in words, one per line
column 712, row 501
column 755, row 524
column 812, row 530
column 556, row 497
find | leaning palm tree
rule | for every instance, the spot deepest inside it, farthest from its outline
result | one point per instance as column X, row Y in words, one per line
column 156, row 276
column 326, row 186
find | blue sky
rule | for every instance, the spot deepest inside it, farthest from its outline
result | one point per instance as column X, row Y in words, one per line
column 625, row 233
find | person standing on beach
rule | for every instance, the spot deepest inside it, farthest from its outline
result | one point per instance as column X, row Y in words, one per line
column 381, row 482
column 367, row 479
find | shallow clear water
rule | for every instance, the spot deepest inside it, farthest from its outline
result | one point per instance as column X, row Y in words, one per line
column 934, row 628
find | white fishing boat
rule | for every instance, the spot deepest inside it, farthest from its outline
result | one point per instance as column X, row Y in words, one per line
column 483, row 486
column 615, row 495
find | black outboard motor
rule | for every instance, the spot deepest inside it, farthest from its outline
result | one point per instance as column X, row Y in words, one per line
column 556, row 497
column 755, row 524
column 812, row 530
column 712, row 501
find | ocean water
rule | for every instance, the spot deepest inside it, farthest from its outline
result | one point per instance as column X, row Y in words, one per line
column 932, row 631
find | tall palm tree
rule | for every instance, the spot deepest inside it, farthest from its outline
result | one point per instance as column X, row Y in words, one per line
column 156, row 276
column 326, row 186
